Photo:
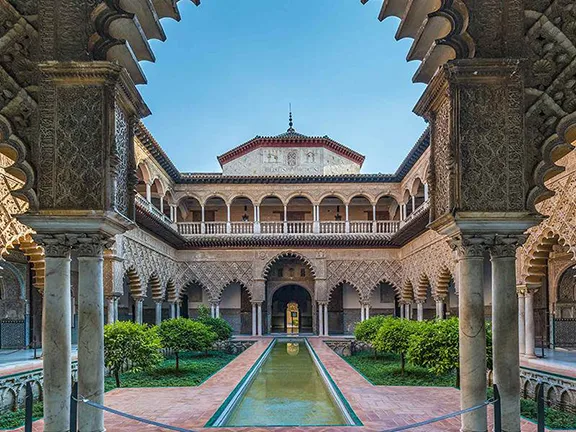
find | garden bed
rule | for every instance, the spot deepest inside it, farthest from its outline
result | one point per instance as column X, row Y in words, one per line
column 385, row 369
column 195, row 368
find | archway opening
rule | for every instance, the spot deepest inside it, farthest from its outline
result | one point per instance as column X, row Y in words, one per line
column 291, row 310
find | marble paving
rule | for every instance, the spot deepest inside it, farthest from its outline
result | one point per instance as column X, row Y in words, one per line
column 378, row 407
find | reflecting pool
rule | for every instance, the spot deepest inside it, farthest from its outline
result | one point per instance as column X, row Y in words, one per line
column 287, row 390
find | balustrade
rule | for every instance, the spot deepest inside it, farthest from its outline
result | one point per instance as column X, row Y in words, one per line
column 242, row 227
column 190, row 228
column 300, row 227
column 361, row 227
column 387, row 227
column 271, row 227
column 148, row 205
column 215, row 227
column 332, row 227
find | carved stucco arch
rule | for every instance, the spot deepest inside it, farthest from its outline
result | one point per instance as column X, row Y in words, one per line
column 421, row 287
column 155, row 287
column 442, row 283
column 135, row 283
column 171, row 291
column 407, row 295
column 537, row 254
column 288, row 255
column 13, row 146
column 359, row 291
column 243, row 285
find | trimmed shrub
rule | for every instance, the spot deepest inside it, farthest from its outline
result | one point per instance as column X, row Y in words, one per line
column 183, row 334
column 394, row 336
column 366, row 331
column 128, row 343
column 219, row 326
column 435, row 346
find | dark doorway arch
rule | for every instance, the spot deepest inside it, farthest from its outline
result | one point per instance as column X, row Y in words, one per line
column 291, row 294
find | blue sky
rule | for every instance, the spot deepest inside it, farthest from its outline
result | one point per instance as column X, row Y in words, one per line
column 229, row 69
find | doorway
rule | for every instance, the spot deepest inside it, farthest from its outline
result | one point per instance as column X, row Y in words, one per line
column 291, row 310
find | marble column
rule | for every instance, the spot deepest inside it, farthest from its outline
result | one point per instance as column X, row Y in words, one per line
column 402, row 309
column 178, row 310
column 367, row 312
column 110, row 313
column 408, row 313
column 56, row 334
column 158, row 311
column 362, row 310
column 530, row 343
column 470, row 253
column 506, row 357
column 212, row 310
column 439, row 308
column 521, row 321
column 326, row 320
column 420, row 310
column 139, row 303
column 259, row 319
column 320, row 319
column 217, row 310
column 172, row 310
column 91, row 332
column 254, row 319
column 347, row 220
column 148, row 192
column 116, row 309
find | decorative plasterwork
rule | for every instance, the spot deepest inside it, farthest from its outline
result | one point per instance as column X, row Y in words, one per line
column 363, row 275
column 550, row 46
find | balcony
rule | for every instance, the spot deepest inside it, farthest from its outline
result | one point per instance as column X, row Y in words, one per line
column 191, row 229
column 314, row 230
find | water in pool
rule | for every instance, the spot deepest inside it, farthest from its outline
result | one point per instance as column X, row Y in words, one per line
column 287, row 391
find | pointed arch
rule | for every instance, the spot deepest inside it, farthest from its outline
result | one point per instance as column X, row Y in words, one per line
column 155, row 286
column 442, row 283
column 422, row 287
column 171, row 292
column 537, row 257
column 288, row 255
column 361, row 294
column 217, row 297
column 134, row 283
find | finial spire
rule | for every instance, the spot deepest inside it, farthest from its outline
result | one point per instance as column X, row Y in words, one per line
column 290, row 122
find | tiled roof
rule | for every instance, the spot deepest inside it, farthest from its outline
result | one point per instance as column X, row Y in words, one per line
column 291, row 138
column 182, row 177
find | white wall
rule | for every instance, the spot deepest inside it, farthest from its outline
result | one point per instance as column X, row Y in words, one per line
column 351, row 298
column 231, row 297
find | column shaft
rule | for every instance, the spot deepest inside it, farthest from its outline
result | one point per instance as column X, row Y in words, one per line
column 218, row 310
column 420, row 311
column 172, row 310
column 521, row 323
column 254, row 318
column 110, row 310
column 530, row 344
column 320, row 319
column 401, row 311
column 361, row 312
column 472, row 343
column 158, row 316
column 506, row 358
column 259, row 319
column 139, row 310
column 91, row 341
column 178, row 310
column 326, row 320
column 367, row 313
column 57, row 345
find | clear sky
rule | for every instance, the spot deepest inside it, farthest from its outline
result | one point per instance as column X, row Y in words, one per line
column 229, row 69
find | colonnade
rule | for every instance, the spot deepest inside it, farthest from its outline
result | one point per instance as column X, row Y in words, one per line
column 526, row 327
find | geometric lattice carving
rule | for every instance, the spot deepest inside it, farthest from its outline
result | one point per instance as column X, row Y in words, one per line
column 364, row 275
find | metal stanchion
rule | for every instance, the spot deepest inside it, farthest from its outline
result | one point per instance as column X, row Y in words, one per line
column 541, row 416
column 28, row 406
column 497, row 410
column 74, row 408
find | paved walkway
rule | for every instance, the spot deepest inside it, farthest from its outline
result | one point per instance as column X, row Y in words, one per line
column 378, row 407
column 554, row 361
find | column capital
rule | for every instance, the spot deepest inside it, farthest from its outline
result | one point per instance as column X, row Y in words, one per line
column 439, row 298
column 470, row 245
column 91, row 245
column 139, row 299
column 420, row 301
column 506, row 246
column 55, row 245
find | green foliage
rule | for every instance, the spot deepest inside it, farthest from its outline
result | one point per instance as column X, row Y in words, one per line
column 195, row 368
column 387, row 370
column 393, row 336
column 15, row 419
column 219, row 326
column 435, row 346
column 203, row 312
column 366, row 331
column 183, row 334
column 129, row 343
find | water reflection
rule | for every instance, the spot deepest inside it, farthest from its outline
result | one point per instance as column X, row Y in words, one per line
column 292, row 348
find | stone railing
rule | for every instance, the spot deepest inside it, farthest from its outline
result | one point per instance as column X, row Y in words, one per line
column 419, row 210
column 233, row 346
column 152, row 209
column 13, row 387
column 347, row 347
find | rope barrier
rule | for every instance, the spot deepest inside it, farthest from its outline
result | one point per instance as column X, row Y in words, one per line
column 132, row 417
column 178, row 429
column 444, row 417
